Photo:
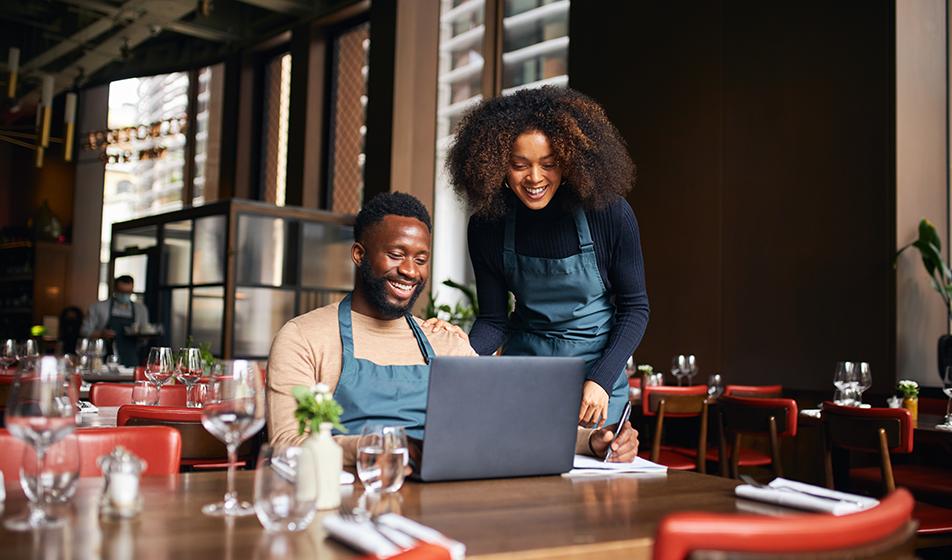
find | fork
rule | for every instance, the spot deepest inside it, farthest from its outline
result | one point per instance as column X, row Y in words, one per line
column 358, row 515
column 753, row 482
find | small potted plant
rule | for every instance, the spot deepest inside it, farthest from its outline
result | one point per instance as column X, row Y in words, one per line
column 909, row 391
column 317, row 413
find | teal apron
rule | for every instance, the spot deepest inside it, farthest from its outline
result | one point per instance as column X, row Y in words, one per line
column 378, row 394
column 124, row 346
column 562, row 306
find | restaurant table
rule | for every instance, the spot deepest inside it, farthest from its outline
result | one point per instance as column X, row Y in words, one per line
column 536, row 517
column 105, row 417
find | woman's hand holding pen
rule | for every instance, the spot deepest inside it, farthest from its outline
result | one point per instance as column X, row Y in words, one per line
column 594, row 409
column 624, row 448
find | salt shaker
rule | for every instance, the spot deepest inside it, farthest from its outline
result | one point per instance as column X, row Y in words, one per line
column 120, row 497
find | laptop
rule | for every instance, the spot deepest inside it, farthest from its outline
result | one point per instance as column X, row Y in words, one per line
column 493, row 417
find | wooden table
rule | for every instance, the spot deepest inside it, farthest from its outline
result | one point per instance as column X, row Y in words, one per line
column 541, row 517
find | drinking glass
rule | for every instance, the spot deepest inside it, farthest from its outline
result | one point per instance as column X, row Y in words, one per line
column 715, row 387
column 99, row 348
column 145, row 393
column 679, row 366
column 842, row 380
column 82, row 346
column 285, row 488
column 382, row 457
column 160, row 366
column 947, row 389
column 28, row 351
column 8, row 354
column 234, row 411
column 41, row 410
column 189, row 372
column 58, row 475
column 691, row 368
column 862, row 380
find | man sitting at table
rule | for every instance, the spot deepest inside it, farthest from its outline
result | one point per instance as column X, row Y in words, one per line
column 368, row 349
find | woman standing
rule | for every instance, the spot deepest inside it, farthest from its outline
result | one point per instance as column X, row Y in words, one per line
column 545, row 174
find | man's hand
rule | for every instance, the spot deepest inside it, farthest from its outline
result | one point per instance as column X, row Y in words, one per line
column 434, row 324
column 624, row 448
column 593, row 411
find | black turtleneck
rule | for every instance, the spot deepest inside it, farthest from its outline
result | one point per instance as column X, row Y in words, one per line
column 550, row 233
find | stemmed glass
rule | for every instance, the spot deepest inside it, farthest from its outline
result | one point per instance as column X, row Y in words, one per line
column 234, row 411
column 843, row 380
column 28, row 351
column 382, row 457
column 8, row 354
column 189, row 372
column 690, row 368
column 862, row 380
column 947, row 389
column 285, row 498
column 159, row 367
column 58, row 474
column 41, row 410
column 679, row 367
column 715, row 387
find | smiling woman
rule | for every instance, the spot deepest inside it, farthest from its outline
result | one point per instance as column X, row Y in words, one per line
column 544, row 173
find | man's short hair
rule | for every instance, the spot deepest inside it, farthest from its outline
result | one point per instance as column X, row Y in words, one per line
column 124, row 279
column 386, row 204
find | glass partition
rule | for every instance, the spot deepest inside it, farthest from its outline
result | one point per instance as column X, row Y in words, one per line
column 177, row 252
column 262, row 244
column 208, row 309
column 209, row 261
column 259, row 314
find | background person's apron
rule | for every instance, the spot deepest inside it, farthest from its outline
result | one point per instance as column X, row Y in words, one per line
column 379, row 394
column 124, row 346
column 562, row 306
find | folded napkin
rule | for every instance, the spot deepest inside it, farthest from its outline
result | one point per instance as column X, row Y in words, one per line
column 798, row 495
column 811, row 412
column 584, row 465
column 365, row 536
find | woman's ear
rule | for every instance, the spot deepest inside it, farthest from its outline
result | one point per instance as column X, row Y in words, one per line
column 357, row 253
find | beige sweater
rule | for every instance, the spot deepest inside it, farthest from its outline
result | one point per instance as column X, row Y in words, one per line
column 307, row 350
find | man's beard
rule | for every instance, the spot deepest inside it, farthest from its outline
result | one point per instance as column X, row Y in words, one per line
column 375, row 290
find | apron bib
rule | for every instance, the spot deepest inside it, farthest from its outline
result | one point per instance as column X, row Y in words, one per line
column 562, row 306
column 124, row 346
column 380, row 394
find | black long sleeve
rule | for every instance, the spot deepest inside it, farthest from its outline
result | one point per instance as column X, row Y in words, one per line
column 550, row 233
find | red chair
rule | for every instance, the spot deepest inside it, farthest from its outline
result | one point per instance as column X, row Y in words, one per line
column 200, row 449
column 883, row 431
column 676, row 402
column 884, row 530
column 6, row 382
column 118, row 394
column 740, row 416
column 764, row 391
column 160, row 447
column 139, row 374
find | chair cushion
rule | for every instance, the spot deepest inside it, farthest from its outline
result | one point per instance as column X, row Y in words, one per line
column 933, row 520
column 674, row 458
column 927, row 483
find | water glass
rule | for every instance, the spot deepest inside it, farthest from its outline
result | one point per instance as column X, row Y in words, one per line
column 189, row 369
column 145, row 393
column 382, row 457
column 862, row 380
column 8, row 354
column 195, row 395
column 947, row 389
column 28, row 350
column 160, row 366
column 285, row 488
column 715, row 387
column 58, row 473
column 843, row 380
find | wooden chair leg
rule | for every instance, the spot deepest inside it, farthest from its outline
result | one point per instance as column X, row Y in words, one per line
column 735, row 456
column 889, row 483
column 775, row 448
column 722, row 459
column 656, row 441
column 702, row 442
column 827, row 459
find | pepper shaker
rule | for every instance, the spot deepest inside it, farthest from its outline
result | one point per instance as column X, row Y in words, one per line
column 121, row 469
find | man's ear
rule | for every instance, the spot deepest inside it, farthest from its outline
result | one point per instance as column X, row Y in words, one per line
column 357, row 253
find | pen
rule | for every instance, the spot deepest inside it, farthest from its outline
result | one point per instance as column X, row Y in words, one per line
column 625, row 413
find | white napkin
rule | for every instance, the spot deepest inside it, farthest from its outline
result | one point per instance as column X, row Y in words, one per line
column 364, row 536
column 584, row 465
column 790, row 493
column 811, row 412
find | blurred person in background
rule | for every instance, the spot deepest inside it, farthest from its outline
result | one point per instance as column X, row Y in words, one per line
column 109, row 320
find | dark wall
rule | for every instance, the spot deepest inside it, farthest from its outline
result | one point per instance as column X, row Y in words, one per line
column 763, row 134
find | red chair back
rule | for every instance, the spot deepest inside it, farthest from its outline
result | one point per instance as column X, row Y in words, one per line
column 739, row 416
column 139, row 374
column 857, row 428
column 118, row 394
column 198, row 446
column 680, row 402
column 767, row 391
column 887, row 524
column 160, row 447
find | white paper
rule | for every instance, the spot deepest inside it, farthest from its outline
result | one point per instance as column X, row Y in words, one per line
column 584, row 465
column 790, row 493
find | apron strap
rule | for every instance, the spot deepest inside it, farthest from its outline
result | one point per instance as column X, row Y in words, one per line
column 509, row 243
column 109, row 315
column 422, row 342
column 584, row 233
column 346, row 327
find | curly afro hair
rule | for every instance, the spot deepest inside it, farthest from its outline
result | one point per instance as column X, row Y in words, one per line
column 387, row 204
column 589, row 150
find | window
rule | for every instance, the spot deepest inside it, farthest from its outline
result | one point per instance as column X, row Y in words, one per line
column 348, row 130
column 274, row 127
column 207, row 133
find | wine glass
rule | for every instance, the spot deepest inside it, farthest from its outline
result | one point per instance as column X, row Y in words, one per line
column 382, row 457
column 234, row 411
column 8, row 354
column 160, row 366
column 679, row 366
column 947, row 389
column 842, row 379
column 41, row 410
column 189, row 372
column 285, row 494
column 862, row 380
column 715, row 387
column 691, row 368
column 28, row 351
column 58, row 474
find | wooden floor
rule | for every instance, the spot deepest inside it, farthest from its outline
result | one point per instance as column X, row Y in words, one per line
column 542, row 517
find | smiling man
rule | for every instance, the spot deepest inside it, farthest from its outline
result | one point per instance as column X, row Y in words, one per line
column 369, row 349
